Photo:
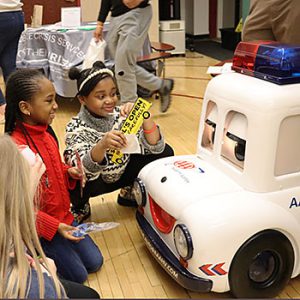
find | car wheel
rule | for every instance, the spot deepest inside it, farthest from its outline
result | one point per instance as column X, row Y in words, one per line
column 262, row 266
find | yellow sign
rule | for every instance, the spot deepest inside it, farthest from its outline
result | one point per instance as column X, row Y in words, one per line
column 132, row 124
column 239, row 26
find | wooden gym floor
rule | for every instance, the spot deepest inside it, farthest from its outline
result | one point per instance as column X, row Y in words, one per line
column 129, row 271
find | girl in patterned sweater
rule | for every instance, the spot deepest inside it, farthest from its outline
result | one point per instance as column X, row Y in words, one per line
column 94, row 132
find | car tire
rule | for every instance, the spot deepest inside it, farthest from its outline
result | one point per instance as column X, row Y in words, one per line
column 262, row 266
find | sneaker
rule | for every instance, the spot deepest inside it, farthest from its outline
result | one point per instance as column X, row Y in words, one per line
column 165, row 94
column 82, row 214
column 126, row 198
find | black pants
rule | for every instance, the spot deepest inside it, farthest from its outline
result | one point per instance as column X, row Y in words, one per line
column 98, row 186
column 76, row 290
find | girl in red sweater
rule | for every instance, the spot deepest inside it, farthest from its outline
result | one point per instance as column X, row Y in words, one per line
column 31, row 108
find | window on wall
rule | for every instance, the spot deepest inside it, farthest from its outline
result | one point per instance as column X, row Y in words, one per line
column 235, row 139
column 288, row 147
column 208, row 136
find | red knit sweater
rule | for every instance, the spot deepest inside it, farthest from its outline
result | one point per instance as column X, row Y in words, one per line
column 54, row 199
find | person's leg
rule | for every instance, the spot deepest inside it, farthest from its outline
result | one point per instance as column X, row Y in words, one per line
column 147, row 79
column 133, row 30
column 138, row 161
column 113, row 36
column 80, row 207
column 89, row 253
column 258, row 23
column 11, row 27
column 286, row 21
column 76, row 290
column 15, row 27
column 67, row 261
column 4, row 37
column 92, row 188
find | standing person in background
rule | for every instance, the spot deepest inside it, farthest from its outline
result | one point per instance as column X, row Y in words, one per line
column 11, row 27
column 275, row 20
column 25, row 270
column 128, row 29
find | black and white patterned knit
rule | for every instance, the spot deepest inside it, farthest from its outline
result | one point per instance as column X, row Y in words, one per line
column 82, row 134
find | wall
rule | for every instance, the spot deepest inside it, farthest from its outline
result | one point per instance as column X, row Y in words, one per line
column 226, row 15
column 246, row 6
column 196, row 17
column 154, row 27
column 51, row 9
column 90, row 10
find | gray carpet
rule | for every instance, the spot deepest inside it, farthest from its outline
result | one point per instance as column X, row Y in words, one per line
column 212, row 49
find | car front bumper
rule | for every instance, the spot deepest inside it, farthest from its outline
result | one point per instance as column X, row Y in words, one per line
column 168, row 260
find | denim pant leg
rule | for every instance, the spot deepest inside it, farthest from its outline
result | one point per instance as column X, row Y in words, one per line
column 69, row 261
column 89, row 253
column 11, row 27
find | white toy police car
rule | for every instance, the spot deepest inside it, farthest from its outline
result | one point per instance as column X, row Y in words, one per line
column 228, row 217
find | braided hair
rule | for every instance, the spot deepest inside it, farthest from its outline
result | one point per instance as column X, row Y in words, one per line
column 21, row 86
column 87, row 79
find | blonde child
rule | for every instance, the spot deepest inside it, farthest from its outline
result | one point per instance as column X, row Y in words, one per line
column 24, row 269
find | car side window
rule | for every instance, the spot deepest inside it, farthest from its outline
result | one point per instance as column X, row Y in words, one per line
column 235, row 138
column 210, row 126
column 288, row 147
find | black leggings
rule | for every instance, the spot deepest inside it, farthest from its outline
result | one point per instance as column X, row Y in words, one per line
column 98, row 186
column 76, row 290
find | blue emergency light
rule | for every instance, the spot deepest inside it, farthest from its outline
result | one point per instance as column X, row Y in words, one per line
column 271, row 61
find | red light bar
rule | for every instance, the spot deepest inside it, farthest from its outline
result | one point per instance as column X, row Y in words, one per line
column 268, row 60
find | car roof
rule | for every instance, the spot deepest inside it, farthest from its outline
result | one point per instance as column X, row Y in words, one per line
column 253, row 93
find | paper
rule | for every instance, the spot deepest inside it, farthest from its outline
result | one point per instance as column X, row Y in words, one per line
column 70, row 16
column 133, row 145
column 226, row 68
column 86, row 228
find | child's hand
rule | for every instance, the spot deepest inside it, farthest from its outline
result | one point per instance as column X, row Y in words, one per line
column 36, row 172
column 126, row 108
column 65, row 231
column 114, row 139
column 51, row 265
column 77, row 174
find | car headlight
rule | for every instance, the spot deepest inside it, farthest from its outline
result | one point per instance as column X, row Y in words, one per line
column 139, row 192
column 183, row 241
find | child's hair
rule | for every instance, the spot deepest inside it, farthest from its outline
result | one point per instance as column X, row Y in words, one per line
column 17, row 226
column 21, row 86
column 87, row 79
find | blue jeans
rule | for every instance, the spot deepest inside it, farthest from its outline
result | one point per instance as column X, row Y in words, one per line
column 11, row 27
column 74, row 260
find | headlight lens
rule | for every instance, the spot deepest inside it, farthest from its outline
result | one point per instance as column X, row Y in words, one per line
column 183, row 241
column 139, row 192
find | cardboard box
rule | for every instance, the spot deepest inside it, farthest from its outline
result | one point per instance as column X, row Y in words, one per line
column 37, row 17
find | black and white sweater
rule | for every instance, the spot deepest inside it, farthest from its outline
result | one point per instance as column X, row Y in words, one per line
column 82, row 134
